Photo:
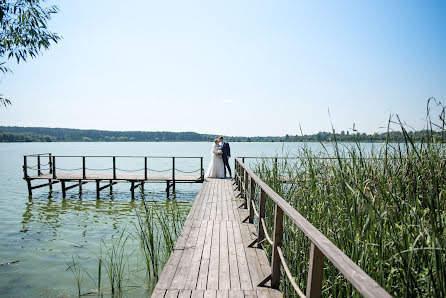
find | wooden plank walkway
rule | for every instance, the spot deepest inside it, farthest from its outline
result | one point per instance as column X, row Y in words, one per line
column 211, row 257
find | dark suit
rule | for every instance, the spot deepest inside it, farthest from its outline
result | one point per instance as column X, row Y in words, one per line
column 226, row 153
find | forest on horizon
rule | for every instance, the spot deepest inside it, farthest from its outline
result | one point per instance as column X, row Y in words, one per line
column 46, row 134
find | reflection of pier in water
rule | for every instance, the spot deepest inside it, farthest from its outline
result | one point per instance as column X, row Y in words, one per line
column 44, row 166
column 48, row 217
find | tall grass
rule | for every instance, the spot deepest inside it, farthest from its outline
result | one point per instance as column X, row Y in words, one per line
column 156, row 229
column 385, row 209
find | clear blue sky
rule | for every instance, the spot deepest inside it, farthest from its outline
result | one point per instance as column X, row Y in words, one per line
column 233, row 67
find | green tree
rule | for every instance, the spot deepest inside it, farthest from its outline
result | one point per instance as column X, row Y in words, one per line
column 24, row 32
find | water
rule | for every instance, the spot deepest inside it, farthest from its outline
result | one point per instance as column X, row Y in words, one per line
column 44, row 233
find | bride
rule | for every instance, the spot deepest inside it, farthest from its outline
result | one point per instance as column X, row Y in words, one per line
column 216, row 166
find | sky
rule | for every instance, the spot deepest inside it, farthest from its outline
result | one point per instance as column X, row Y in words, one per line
column 241, row 68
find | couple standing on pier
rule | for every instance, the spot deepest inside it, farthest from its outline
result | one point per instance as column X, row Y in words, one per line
column 221, row 152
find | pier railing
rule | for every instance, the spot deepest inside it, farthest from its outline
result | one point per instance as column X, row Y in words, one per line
column 97, row 168
column 46, row 163
column 321, row 246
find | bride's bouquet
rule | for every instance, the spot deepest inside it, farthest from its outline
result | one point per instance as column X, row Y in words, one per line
column 219, row 152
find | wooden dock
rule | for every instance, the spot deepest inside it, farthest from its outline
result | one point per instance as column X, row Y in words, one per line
column 44, row 168
column 212, row 256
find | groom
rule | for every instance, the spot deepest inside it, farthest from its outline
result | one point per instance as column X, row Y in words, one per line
column 226, row 154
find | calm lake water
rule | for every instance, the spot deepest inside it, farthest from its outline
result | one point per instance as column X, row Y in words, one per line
column 46, row 232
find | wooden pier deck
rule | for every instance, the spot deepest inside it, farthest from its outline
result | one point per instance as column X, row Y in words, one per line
column 212, row 257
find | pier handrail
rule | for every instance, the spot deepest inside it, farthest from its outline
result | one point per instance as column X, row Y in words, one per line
column 321, row 246
column 52, row 169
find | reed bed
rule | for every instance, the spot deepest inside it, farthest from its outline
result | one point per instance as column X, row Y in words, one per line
column 385, row 209
column 119, row 265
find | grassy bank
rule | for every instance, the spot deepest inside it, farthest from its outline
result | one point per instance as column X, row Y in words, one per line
column 385, row 209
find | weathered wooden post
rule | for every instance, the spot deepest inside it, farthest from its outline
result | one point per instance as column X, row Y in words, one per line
column 145, row 168
column 50, row 162
column 84, row 170
column 111, row 187
column 251, row 201
column 132, row 189
column 261, row 216
column 315, row 272
column 201, row 169
column 173, row 174
column 97, row 189
column 50, row 185
column 80, row 186
column 25, row 167
column 246, row 188
column 64, row 191
column 39, row 172
column 114, row 167
column 277, row 242
column 54, row 167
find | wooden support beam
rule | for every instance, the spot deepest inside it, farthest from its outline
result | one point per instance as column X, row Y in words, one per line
column 46, row 184
column 75, row 185
column 111, row 187
column 50, row 184
column 80, row 186
column 108, row 185
column 132, row 189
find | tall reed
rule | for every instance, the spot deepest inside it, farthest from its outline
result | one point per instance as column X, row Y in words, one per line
column 385, row 209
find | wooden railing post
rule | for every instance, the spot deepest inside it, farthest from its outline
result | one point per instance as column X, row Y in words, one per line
column 315, row 272
column 251, row 201
column 84, row 170
column 145, row 168
column 201, row 169
column 173, row 174
column 54, row 167
column 114, row 167
column 277, row 242
column 25, row 167
column 246, row 189
column 50, row 163
column 261, row 216
column 39, row 172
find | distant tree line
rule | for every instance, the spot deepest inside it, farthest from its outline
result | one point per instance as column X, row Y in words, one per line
column 45, row 134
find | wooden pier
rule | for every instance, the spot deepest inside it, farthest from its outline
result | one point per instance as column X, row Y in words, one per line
column 44, row 169
column 213, row 256
column 220, row 251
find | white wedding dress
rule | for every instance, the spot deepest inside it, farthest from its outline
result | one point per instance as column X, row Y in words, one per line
column 216, row 167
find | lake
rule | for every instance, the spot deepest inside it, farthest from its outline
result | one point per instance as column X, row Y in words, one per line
column 46, row 232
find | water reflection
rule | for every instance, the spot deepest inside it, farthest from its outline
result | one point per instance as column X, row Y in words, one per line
column 83, row 213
